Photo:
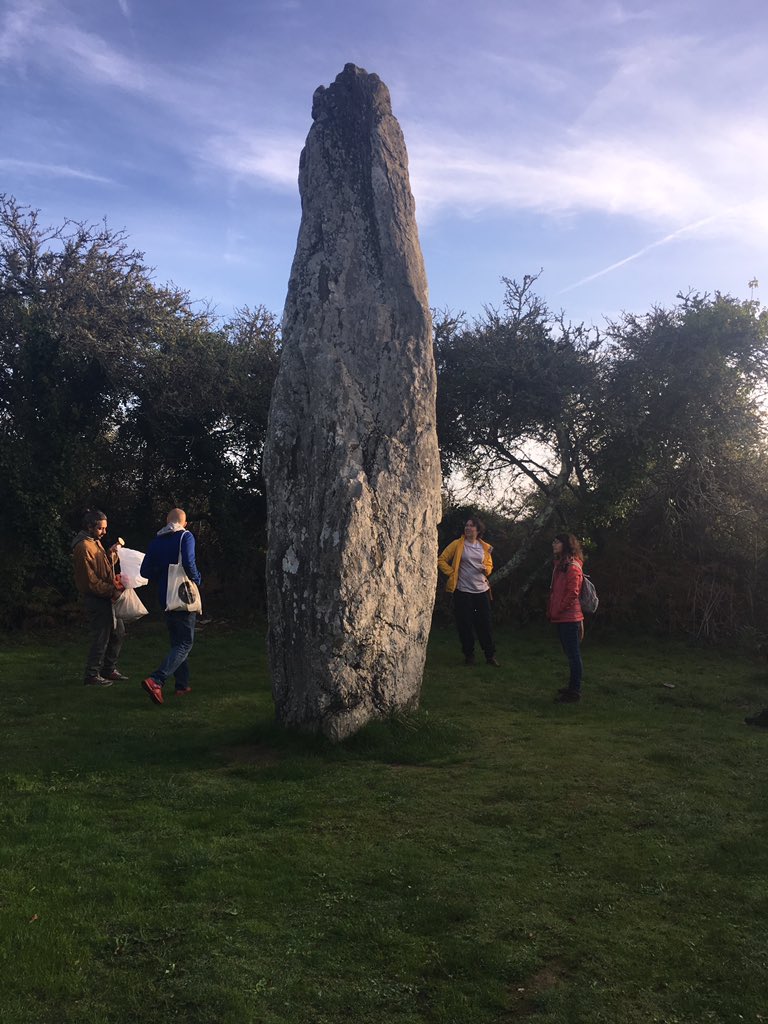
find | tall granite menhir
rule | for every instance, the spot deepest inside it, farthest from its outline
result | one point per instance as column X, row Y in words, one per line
column 351, row 461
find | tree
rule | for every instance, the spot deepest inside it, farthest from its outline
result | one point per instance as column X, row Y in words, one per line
column 518, row 400
column 195, row 431
column 118, row 394
column 72, row 302
column 650, row 441
column 682, row 458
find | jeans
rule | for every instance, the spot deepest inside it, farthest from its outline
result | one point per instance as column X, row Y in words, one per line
column 181, row 631
column 473, row 615
column 568, row 632
column 107, row 636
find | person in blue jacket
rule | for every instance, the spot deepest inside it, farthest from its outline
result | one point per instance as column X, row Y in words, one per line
column 164, row 549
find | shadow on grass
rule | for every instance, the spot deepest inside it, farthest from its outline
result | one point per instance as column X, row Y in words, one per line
column 412, row 738
column 160, row 742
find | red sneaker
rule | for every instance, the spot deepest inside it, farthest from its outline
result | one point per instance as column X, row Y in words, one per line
column 183, row 692
column 154, row 690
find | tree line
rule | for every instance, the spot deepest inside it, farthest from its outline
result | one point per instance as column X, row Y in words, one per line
column 646, row 437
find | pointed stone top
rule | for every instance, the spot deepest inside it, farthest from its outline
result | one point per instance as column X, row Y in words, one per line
column 352, row 86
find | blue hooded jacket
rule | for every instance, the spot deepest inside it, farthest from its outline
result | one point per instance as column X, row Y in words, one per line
column 164, row 551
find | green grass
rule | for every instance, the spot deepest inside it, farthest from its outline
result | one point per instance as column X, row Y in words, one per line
column 493, row 858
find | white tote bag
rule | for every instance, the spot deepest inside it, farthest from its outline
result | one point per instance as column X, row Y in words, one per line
column 182, row 595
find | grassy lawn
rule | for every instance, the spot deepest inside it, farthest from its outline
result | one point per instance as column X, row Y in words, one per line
column 495, row 858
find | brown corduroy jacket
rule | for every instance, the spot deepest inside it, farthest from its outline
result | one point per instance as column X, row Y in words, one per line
column 94, row 567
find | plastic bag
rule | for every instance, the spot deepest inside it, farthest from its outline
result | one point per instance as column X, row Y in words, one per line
column 128, row 606
column 130, row 563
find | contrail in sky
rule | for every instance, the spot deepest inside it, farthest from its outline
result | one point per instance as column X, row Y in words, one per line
column 55, row 170
column 641, row 252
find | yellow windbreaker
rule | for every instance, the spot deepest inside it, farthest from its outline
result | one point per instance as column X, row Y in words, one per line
column 450, row 559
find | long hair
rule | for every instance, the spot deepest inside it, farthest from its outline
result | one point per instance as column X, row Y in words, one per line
column 571, row 546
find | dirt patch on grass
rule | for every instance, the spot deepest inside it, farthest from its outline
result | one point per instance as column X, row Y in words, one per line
column 523, row 1000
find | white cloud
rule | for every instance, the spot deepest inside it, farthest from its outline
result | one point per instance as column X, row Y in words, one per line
column 52, row 170
column 18, row 25
column 620, row 14
column 42, row 33
column 270, row 158
column 673, row 133
column 45, row 35
column 96, row 60
column 597, row 175
column 662, row 130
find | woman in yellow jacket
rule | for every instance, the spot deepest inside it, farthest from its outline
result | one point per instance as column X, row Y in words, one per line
column 467, row 563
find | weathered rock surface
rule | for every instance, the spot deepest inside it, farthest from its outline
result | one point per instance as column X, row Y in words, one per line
column 351, row 461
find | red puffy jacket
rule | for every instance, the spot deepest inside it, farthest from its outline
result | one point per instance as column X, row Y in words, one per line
column 564, row 605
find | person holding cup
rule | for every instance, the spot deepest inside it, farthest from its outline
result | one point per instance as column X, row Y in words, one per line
column 98, row 586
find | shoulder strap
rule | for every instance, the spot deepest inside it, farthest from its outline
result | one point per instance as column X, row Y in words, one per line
column 181, row 541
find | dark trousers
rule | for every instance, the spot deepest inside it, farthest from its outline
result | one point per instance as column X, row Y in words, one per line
column 181, row 633
column 107, row 636
column 568, row 633
column 473, row 615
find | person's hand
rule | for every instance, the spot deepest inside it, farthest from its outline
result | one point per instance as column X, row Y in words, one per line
column 581, row 630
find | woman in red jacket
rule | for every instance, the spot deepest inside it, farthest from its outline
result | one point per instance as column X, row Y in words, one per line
column 564, row 609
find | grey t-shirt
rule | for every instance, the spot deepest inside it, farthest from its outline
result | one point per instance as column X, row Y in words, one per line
column 472, row 579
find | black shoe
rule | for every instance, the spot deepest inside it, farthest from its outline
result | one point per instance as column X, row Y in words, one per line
column 469, row 659
column 568, row 697
column 492, row 661
column 96, row 681
column 760, row 719
column 115, row 676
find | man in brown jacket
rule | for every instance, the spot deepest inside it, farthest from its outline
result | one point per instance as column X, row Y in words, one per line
column 98, row 587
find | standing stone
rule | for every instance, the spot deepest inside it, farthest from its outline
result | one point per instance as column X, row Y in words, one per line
column 351, row 461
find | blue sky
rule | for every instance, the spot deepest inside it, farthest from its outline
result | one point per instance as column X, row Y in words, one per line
column 622, row 147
